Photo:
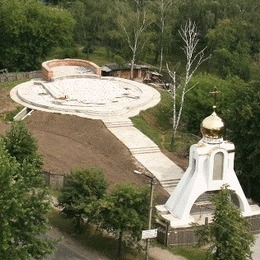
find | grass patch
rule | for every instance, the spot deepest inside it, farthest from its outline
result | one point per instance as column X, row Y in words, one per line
column 183, row 142
column 9, row 116
column 155, row 122
column 191, row 253
column 146, row 128
column 9, row 85
column 101, row 56
column 87, row 237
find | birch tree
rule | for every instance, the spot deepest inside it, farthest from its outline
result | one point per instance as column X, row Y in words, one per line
column 194, row 59
column 162, row 9
column 133, row 21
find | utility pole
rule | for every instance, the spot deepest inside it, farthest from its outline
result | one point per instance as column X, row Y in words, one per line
column 152, row 183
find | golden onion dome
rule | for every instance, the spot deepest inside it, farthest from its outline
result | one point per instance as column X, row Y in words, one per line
column 212, row 129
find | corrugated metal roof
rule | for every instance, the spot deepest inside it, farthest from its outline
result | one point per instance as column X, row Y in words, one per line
column 106, row 69
column 114, row 66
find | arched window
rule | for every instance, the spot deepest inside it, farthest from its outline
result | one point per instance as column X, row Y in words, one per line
column 218, row 166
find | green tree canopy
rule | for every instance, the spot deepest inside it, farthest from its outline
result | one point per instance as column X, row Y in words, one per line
column 199, row 101
column 133, row 18
column 22, row 145
column 230, row 44
column 93, row 20
column 229, row 234
column 29, row 30
column 243, row 124
column 124, row 212
column 24, row 203
column 81, row 191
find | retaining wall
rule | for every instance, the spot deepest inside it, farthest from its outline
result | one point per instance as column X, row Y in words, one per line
column 6, row 77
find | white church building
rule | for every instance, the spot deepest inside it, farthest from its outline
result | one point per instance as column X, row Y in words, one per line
column 211, row 165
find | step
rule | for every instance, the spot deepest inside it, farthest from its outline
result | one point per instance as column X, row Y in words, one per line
column 144, row 150
column 115, row 124
column 169, row 183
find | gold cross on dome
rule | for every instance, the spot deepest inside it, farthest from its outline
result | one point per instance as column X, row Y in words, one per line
column 215, row 93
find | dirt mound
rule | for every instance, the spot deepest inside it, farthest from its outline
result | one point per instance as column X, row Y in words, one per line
column 69, row 142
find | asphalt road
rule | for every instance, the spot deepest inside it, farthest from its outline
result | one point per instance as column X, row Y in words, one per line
column 68, row 249
column 63, row 252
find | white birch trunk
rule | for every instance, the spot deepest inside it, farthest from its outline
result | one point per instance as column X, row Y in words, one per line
column 193, row 60
column 164, row 7
column 133, row 36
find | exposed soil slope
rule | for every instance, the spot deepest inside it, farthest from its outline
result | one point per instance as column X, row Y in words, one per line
column 69, row 142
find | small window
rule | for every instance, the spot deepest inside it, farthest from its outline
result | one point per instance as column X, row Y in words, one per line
column 218, row 166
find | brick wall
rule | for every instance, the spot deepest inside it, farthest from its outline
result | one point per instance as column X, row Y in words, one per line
column 48, row 65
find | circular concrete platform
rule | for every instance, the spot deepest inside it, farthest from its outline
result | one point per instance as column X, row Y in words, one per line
column 97, row 98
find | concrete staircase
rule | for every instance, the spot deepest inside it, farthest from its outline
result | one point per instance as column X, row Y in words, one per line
column 118, row 123
column 146, row 152
column 171, row 183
